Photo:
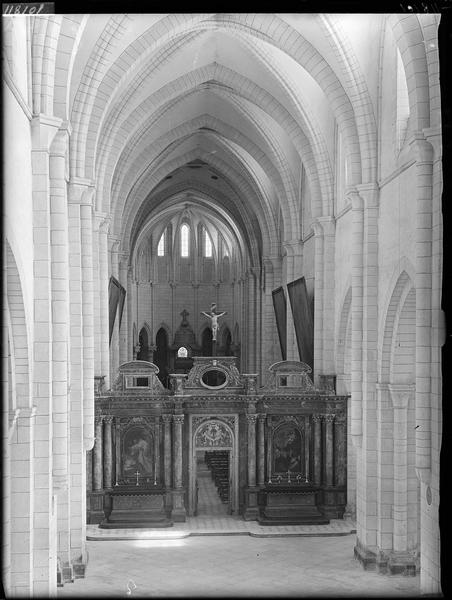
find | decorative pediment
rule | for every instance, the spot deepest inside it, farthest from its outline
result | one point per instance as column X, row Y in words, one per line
column 289, row 377
column 214, row 374
column 139, row 376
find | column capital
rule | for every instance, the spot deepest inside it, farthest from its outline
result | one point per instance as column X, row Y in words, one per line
column 421, row 149
column 328, row 224
column 355, row 199
column 167, row 419
column 81, row 191
column 98, row 419
column 60, row 142
column 114, row 242
column 108, row 419
column 293, row 247
column 369, row 192
column 400, row 394
column 43, row 130
column 329, row 418
column 340, row 419
column 317, row 418
column 262, row 417
column 178, row 419
column 251, row 419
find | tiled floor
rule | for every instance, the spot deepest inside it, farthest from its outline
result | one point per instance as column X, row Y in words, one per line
column 232, row 566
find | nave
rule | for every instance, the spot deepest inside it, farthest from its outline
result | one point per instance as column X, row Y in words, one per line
column 234, row 565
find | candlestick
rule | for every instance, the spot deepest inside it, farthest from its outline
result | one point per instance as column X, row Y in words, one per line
column 137, row 474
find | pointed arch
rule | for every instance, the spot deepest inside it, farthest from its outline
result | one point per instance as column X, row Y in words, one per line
column 403, row 294
column 19, row 343
column 343, row 337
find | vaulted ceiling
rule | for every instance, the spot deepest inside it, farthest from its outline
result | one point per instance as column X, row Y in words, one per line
column 226, row 111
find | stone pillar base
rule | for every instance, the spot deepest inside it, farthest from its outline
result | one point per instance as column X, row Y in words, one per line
column 68, row 572
column 349, row 513
column 251, row 507
column 178, row 513
column 402, row 563
column 79, row 568
column 367, row 558
column 60, row 580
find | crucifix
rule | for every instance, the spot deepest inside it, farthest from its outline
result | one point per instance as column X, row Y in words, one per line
column 213, row 316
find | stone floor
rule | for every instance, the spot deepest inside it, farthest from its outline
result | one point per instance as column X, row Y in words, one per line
column 214, row 554
column 233, row 565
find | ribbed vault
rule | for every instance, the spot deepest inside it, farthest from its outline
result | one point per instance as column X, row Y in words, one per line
column 255, row 99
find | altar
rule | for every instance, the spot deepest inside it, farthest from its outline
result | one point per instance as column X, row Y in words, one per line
column 282, row 446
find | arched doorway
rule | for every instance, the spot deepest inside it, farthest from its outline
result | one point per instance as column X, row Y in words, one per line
column 161, row 356
column 216, row 436
column 206, row 342
column 143, row 340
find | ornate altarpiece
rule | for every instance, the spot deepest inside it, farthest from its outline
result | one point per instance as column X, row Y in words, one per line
column 286, row 444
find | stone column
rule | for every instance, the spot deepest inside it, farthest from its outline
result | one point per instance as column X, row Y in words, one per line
column 98, row 479
column 251, row 511
column 178, row 513
column 293, row 260
column 340, row 451
column 123, row 330
column 167, row 451
column 270, row 341
column 423, row 152
column 317, row 420
column 108, row 452
column 328, row 310
column 60, row 344
column 329, row 449
column 86, row 239
column 318, row 299
column 43, row 130
column 177, row 456
column 400, row 560
column 157, row 450
column 129, row 301
column 367, row 465
column 103, row 293
column 114, row 344
column 97, row 220
column 251, row 320
column 307, row 446
column 77, row 446
column 269, row 450
column 357, row 316
column 251, row 421
column 400, row 396
column 261, row 449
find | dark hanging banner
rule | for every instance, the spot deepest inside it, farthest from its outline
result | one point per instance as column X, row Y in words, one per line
column 116, row 295
column 280, row 307
column 302, row 318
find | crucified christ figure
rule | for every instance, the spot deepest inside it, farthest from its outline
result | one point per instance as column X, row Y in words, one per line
column 213, row 316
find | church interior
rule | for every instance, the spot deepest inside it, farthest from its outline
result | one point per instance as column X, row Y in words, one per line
column 222, row 271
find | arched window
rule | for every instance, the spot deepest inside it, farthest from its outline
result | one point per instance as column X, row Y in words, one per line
column 207, row 245
column 184, row 240
column 161, row 246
